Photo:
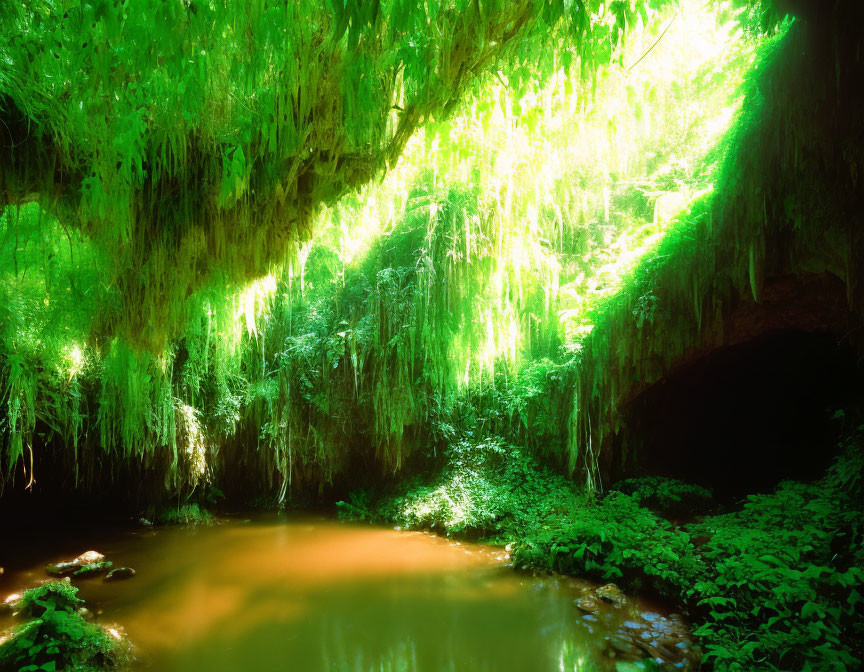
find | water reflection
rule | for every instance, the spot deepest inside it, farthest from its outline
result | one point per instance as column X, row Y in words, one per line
column 301, row 595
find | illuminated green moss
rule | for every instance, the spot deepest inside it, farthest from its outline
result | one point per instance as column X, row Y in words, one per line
column 193, row 139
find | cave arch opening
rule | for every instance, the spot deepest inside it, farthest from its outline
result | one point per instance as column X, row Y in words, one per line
column 743, row 418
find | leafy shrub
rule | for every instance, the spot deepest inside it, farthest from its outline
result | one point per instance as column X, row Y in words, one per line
column 781, row 580
column 667, row 496
column 487, row 488
column 59, row 638
column 616, row 539
column 57, row 595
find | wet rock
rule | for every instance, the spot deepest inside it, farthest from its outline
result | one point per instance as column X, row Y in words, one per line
column 611, row 594
column 637, row 639
column 10, row 603
column 88, row 563
column 120, row 574
column 586, row 604
column 623, row 646
column 669, row 654
column 89, row 558
column 143, row 522
column 650, row 636
column 61, row 568
column 670, row 639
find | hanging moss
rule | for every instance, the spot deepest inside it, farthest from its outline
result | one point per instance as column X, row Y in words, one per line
column 434, row 302
column 191, row 138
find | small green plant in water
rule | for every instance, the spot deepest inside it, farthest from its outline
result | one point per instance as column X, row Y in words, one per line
column 57, row 637
column 93, row 568
column 187, row 514
column 357, row 506
column 57, row 595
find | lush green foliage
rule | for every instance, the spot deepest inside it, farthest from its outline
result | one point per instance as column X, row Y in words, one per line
column 482, row 310
column 196, row 138
column 187, row 514
column 615, row 539
column 666, row 496
column 775, row 585
column 60, row 595
column 454, row 281
column 487, row 488
column 784, row 204
column 58, row 637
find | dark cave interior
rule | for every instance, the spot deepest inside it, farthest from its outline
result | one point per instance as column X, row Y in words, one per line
column 746, row 417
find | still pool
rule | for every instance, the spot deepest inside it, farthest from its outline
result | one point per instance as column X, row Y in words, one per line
column 287, row 593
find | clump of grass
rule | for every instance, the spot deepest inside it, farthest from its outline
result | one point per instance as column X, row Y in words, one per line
column 186, row 514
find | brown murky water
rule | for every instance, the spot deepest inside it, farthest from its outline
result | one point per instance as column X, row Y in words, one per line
column 284, row 593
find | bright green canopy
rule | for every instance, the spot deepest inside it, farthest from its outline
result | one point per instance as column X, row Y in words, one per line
column 187, row 137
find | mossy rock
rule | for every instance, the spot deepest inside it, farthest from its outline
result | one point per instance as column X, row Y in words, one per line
column 93, row 569
column 52, row 595
column 58, row 637
column 88, row 563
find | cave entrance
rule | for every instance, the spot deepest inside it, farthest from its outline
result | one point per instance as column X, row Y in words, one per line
column 746, row 417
